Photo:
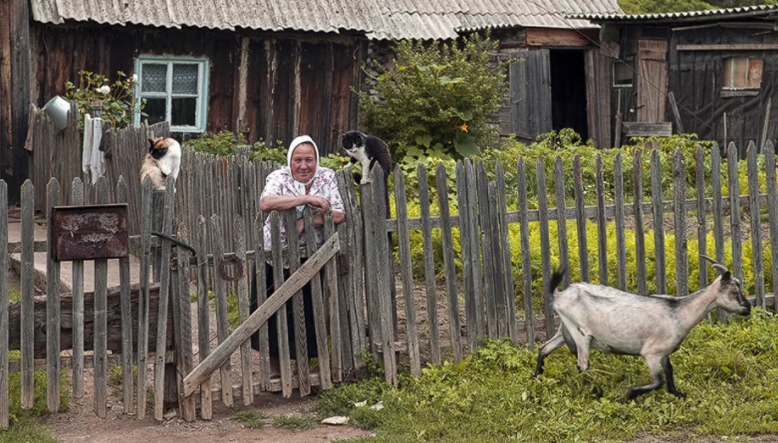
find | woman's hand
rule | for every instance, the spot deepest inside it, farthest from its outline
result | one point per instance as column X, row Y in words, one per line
column 300, row 226
column 319, row 202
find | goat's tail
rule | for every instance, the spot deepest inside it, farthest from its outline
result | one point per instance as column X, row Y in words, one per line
column 556, row 279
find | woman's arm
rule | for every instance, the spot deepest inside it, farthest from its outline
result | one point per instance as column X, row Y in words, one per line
column 282, row 202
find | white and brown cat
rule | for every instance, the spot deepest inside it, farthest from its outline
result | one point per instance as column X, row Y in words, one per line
column 162, row 160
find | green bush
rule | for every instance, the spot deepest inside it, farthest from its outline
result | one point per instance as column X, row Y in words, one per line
column 437, row 99
column 118, row 101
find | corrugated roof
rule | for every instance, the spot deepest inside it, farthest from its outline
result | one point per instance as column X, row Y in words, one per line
column 677, row 16
column 378, row 19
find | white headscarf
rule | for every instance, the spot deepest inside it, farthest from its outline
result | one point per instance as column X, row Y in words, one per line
column 297, row 142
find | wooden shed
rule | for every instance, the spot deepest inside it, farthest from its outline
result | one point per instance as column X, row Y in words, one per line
column 700, row 71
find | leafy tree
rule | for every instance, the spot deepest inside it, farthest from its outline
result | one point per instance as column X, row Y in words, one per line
column 660, row 6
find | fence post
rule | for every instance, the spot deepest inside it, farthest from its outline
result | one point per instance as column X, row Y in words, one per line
column 526, row 265
column 78, row 306
column 4, row 394
column 52, row 304
column 448, row 261
column 681, row 254
column 580, row 216
column 659, row 232
column 756, row 225
column 429, row 263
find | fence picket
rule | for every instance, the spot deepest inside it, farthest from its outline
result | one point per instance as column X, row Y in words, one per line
column 386, row 302
column 164, row 295
column 126, row 307
column 220, row 287
column 285, row 360
column 681, row 253
column 28, row 292
column 448, row 262
column 640, row 239
column 475, row 248
column 504, row 242
column 718, row 217
column 467, row 259
column 429, row 265
column 529, row 316
column 203, row 314
column 734, row 211
column 772, row 209
column 260, row 281
column 490, row 290
column 545, row 248
column 756, row 223
column 702, row 237
column 371, row 267
column 602, row 228
column 52, row 305
column 580, row 217
column 500, row 304
column 4, row 391
column 143, row 302
column 659, row 232
column 182, row 319
column 239, row 240
column 559, row 188
column 338, row 332
column 101, row 318
column 621, row 253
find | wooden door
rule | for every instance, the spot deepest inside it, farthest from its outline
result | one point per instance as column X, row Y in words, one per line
column 531, row 93
column 598, row 97
column 652, row 80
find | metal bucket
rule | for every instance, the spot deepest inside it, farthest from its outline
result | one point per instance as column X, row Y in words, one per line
column 57, row 109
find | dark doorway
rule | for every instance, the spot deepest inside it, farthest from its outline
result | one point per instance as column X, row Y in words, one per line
column 568, row 91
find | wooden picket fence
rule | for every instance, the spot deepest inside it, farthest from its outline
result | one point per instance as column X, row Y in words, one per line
column 353, row 275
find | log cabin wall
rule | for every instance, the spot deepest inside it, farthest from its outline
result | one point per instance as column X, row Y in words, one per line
column 267, row 86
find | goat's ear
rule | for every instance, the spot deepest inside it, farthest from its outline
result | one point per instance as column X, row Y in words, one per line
column 726, row 276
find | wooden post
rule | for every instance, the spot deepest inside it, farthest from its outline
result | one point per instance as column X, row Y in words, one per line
column 143, row 298
column 718, row 217
column 526, row 265
column 239, row 231
column 429, row 264
column 260, row 280
column 734, row 211
column 580, row 217
column 602, row 229
column 298, row 306
column 507, row 265
column 386, row 306
column 319, row 311
column 681, row 253
column 640, row 239
column 545, row 248
column 281, row 321
column 203, row 315
column 659, row 232
column 756, row 223
column 20, row 89
column 475, row 248
column 78, row 306
column 467, row 258
column 220, row 287
column 676, row 114
column 182, row 315
column 126, row 304
column 52, row 304
column 702, row 240
column 448, row 259
column 164, row 295
column 561, row 217
column 101, row 319
column 4, row 394
column 490, row 289
column 28, row 292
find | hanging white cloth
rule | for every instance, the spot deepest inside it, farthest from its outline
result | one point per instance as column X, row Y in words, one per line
column 92, row 157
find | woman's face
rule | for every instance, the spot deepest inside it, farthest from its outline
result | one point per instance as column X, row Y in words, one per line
column 303, row 162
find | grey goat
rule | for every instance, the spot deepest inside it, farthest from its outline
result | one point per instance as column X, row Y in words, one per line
column 617, row 322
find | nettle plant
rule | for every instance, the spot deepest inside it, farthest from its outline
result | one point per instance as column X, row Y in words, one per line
column 437, row 99
column 117, row 98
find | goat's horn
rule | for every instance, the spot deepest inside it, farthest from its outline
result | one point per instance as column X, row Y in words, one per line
column 716, row 265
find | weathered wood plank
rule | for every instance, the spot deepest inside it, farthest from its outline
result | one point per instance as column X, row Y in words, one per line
column 621, row 253
column 467, row 259
column 371, row 268
column 285, row 360
column 529, row 316
column 164, row 295
column 681, row 251
column 429, row 265
column 101, row 319
column 338, row 332
column 756, row 225
column 545, row 247
column 507, row 265
column 718, row 217
column 559, row 188
column 128, row 384
column 500, row 304
column 406, row 270
column 475, row 248
column 386, row 307
column 4, row 391
column 78, row 305
column 643, row 129
column 659, row 233
column 676, row 114
column 640, row 239
column 490, row 290
column 143, row 302
column 220, row 287
column 583, row 252
column 772, row 208
column 182, row 318
column 602, row 229
column 298, row 307
column 702, row 237
column 734, row 211
column 239, row 240
column 203, row 316
column 448, row 260
column 260, row 281
column 52, row 306
column 279, row 297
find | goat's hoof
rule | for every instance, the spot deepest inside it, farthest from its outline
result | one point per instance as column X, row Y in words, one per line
column 597, row 391
column 631, row 395
column 678, row 394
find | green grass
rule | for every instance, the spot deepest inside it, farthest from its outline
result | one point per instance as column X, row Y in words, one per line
column 27, row 429
column 294, row 422
column 251, row 419
column 26, row 425
column 730, row 373
column 14, row 295
column 233, row 317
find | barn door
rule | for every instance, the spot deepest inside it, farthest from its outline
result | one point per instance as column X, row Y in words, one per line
column 531, row 93
column 652, row 80
column 598, row 97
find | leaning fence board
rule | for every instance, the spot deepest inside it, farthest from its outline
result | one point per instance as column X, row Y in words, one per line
column 260, row 282
column 583, row 252
column 386, row 306
column 354, row 287
column 164, row 294
column 756, row 235
column 126, row 308
column 681, row 253
column 467, row 261
column 772, row 209
column 281, row 320
column 475, row 248
column 28, row 292
column 182, row 317
column 659, row 233
column 101, row 318
column 279, row 297
column 702, row 240
column 326, row 372
column 545, row 248
column 559, row 188
column 220, row 287
column 640, row 239
column 490, row 290
column 203, row 315
column 239, row 231
column 4, row 392
column 143, row 302
column 298, row 307
column 448, row 262
column 621, row 253
column 52, row 306
column 505, row 243
column 406, row 270
column 429, row 265
column 529, row 316
column 734, row 211
column 602, row 229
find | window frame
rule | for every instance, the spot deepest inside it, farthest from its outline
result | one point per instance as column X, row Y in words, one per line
column 627, row 62
column 201, row 109
column 744, row 89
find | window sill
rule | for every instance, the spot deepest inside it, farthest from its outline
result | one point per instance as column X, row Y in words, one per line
column 622, row 86
column 729, row 93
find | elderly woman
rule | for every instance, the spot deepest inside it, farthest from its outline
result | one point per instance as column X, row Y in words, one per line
column 302, row 182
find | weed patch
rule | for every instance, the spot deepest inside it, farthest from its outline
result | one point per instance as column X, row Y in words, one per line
column 294, row 422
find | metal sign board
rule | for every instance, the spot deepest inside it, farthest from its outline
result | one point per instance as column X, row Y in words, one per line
column 89, row 232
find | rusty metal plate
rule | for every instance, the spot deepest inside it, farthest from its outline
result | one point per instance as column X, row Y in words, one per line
column 89, row 232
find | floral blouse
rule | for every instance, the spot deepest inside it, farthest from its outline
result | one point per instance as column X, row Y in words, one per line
column 280, row 182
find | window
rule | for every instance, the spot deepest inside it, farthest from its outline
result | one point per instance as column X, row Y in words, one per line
column 622, row 73
column 175, row 90
column 742, row 73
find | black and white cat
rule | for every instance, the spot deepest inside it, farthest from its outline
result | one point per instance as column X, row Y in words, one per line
column 367, row 150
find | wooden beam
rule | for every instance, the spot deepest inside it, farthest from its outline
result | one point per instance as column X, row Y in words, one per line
column 20, row 96
column 559, row 37
column 730, row 47
column 643, row 129
column 676, row 114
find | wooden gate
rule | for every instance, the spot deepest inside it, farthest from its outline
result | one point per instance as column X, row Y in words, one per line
column 652, row 80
